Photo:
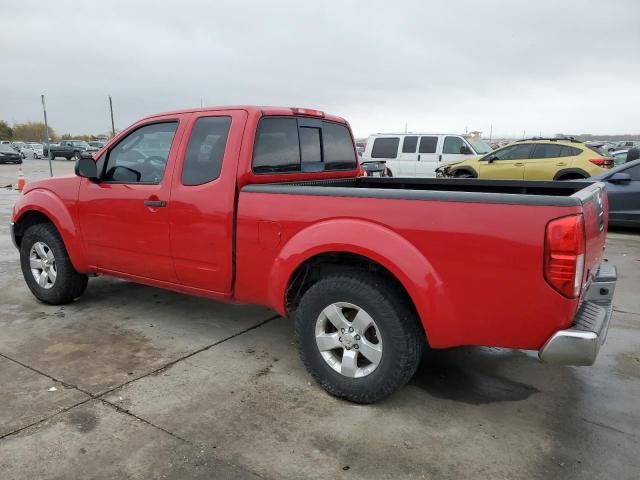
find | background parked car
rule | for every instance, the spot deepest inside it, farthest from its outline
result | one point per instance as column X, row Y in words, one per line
column 619, row 156
column 69, row 149
column 32, row 150
column 623, row 191
column 8, row 154
column 97, row 144
column 535, row 159
column 420, row 154
column 375, row 168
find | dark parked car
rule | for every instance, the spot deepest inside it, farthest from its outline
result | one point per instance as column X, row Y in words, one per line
column 623, row 189
column 69, row 149
column 9, row 155
column 375, row 169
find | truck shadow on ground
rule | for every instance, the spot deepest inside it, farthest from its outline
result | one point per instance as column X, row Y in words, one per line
column 471, row 375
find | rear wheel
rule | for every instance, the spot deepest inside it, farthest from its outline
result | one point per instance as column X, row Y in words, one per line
column 358, row 336
column 46, row 266
column 76, row 155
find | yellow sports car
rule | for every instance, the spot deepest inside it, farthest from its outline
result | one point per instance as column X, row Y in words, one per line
column 534, row 159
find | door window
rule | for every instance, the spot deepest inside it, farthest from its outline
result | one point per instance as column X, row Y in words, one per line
column 141, row 156
column 513, row 152
column 385, row 147
column 409, row 144
column 545, row 150
column 454, row 145
column 429, row 144
column 203, row 160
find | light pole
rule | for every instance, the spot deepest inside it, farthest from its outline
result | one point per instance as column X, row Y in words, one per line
column 113, row 127
column 46, row 127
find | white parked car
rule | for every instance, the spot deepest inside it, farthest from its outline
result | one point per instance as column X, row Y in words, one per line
column 32, row 150
column 420, row 154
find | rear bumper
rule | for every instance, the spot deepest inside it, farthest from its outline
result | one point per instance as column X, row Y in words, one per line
column 580, row 344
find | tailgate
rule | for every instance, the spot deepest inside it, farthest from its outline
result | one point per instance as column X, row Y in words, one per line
column 596, row 214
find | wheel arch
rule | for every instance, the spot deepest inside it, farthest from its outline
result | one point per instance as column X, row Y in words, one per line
column 465, row 168
column 570, row 171
column 55, row 213
column 364, row 245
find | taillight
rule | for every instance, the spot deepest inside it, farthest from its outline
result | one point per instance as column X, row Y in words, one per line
column 604, row 162
column 564, row 254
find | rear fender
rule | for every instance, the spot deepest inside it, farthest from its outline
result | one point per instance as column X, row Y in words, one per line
column 379, row 244
column 49, row 204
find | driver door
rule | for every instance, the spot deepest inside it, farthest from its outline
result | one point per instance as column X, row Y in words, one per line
column 123, row 217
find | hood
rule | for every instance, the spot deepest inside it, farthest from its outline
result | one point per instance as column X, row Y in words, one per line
column 54, row 184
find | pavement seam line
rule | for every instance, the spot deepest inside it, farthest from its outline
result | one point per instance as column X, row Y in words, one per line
column 97, row 396
column 45, row 419
column 133, row 415
column 50, row 377
column 189, row 355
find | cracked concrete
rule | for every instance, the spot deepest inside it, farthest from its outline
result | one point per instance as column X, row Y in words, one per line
column 153, row 384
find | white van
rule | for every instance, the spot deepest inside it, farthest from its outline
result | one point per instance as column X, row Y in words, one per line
column 419, row 154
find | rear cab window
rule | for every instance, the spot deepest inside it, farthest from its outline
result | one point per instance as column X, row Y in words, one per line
column 300, row 144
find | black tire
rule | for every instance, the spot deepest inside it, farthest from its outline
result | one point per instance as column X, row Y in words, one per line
column 76, row 156
column 19, row 162
column 401, row 334
column 52, row 156
column 69, row 284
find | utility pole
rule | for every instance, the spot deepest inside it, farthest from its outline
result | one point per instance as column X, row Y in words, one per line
column 46, row 127
column 113, row 126
column 490, row 132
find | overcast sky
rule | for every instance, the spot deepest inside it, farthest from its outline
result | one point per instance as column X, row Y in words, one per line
column 535, row 66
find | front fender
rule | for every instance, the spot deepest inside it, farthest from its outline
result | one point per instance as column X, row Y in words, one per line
column 49, row 204
column 380, row 244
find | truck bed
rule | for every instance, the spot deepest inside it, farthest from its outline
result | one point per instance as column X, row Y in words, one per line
column 442, row 189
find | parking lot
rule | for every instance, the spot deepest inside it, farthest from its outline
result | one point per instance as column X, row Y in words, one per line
column 135, row 382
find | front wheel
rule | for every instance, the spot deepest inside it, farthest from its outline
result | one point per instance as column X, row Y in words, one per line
column 358, row 336
column 46, row 266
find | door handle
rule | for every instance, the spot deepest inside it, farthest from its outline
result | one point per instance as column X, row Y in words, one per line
column 561, row 164
column 418, row 157
column 155, row 203
column 519, row 164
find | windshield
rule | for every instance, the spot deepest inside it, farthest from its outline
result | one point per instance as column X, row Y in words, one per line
column 6, row 148
column 79, row 143
column 479, row 145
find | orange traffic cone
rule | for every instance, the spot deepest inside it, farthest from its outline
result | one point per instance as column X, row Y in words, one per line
column 21, row 181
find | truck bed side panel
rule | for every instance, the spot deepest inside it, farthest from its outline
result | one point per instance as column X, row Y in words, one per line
column 486, row 286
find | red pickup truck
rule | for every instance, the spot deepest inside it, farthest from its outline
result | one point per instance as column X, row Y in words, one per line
column 268, row 206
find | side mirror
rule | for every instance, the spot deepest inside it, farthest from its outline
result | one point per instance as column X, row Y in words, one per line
column 492, row 158
column 619, row 177
column 87, row 168
column 464, row 150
